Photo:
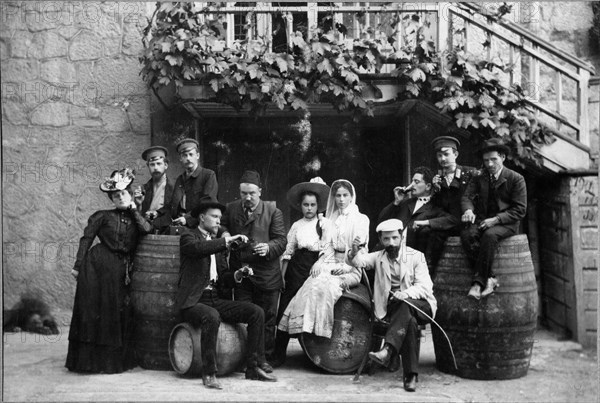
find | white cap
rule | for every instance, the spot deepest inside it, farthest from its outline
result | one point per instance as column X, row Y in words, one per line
column 392, row 224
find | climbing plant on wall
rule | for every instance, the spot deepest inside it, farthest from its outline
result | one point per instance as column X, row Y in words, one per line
column 182, row 43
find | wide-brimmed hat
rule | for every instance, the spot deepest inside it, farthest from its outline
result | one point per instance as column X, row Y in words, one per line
column 205, row 205
column 119, row 180
column 316, row 185
column 494, row 144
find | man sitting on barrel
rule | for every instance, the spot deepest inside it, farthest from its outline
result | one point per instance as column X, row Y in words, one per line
column 402, row 293
column 493, row 205
column 204, row 273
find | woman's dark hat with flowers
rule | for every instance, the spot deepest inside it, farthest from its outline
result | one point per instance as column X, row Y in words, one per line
column 119, row 180
column 316, row 185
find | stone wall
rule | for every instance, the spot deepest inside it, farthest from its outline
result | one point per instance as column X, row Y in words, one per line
column 74, row 108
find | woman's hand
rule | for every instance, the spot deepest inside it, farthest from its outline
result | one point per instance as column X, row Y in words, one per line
column 74, row 273
column 315, row 270
column 339, row 270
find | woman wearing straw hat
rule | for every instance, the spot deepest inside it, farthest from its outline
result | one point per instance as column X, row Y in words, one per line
column 100, row 334
column 302, row 250
column 311, row 310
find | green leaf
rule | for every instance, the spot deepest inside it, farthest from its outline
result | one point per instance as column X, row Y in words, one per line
column 180, row 45
column 174, row 60
column 165, row 47
column 325, row 66
column 416, row 74
column 265, row 88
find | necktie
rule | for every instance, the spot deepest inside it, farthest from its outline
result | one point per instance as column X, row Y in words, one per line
column 213, row 264
column 492, row 207
column 248, row 212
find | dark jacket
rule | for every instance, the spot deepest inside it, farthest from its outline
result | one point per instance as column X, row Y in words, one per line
column 200, row 186
column 511, row 197
column 163, row 218
column 448, row 198
column 194, row 273
column 265, row 225
column 438, row 218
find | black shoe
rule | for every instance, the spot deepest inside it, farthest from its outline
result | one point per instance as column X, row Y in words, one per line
column 277, row 361
column 265, row 366
column 410, row 382
column 210, row 381
column 382, row 357
column 259, row 374
column 394, row 363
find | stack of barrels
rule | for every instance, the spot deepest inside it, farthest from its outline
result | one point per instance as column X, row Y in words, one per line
column 492, row 338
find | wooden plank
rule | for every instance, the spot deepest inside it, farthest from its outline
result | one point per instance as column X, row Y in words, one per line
column 555, row 288
column 591, row 320
column 583, row 95
column 559, row 239
column 555, row 264
column 556, row 311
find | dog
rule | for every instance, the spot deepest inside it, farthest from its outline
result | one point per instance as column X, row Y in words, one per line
column 30, row 314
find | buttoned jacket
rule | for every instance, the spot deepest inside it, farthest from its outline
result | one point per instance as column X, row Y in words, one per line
column 266, row 225
column 510, row 197
column 200, row 186
column 163, row 217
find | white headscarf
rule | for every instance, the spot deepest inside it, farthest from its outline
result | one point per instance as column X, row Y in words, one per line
column 333, row 212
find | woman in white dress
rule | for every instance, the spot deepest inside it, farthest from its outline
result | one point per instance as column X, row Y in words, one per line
column 311, row 310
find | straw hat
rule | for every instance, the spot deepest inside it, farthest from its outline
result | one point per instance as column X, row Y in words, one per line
column 316, row 185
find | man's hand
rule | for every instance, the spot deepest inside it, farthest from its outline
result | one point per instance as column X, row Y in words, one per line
column 239, row 237
column 468, row 216
column 179, row 221
column 138, row 196
column 243, row 273
column 436, row 182
column 420, row 224
column 399, row 194
column 261, row 249
column 151, row 214
column 357, row 244
column 488, row 223
column 399, row 295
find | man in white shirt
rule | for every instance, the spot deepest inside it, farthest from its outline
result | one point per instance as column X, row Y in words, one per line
column 155, row 195
column 401, row 276
column 204, row 275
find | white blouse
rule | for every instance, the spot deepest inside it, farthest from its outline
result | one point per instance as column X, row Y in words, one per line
column 302, row 235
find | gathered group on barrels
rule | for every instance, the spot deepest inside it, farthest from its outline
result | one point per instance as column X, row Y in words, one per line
column 180, row 281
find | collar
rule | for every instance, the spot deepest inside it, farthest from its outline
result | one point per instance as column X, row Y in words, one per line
column 497, row 175
column 450, row 170
column 424, row 199
column 204, row 232
column 193, row 174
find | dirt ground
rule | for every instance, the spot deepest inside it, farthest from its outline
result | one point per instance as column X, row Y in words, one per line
column 33, row 370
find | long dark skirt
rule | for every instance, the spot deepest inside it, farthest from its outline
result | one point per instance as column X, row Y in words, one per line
column 100, row 338
column 297, row 272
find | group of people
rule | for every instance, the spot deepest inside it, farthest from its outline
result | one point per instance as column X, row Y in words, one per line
column 287, row 284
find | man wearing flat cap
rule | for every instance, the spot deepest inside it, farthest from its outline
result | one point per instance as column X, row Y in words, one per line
column 401, row 277
column 493, row 205
column 194, row 185
column 155, row 195
column 262, row 222
column 204, row 279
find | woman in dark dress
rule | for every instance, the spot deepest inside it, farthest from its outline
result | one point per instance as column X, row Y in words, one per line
column 302, row 250
column 101, row 326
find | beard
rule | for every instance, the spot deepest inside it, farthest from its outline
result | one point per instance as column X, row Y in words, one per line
column 392, row 251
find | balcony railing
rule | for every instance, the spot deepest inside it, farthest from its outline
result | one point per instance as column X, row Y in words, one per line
column 557, row 84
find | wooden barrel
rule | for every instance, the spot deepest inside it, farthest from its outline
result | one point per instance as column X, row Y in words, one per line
column 351, row 336
column 154, row 285
column 186, row 355
column 493, row 337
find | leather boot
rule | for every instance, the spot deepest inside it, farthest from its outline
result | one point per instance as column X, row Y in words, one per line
column 210, row 381
column 383, row 356
column 410, row 382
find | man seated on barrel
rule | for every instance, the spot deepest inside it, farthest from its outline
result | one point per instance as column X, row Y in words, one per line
column 204, row 274
column 402, row 289
column 493, row 205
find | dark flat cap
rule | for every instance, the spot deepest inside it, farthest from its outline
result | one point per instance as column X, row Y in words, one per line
column 153, row 153
column 186, row 144
column 494, row 144
column 251, row 177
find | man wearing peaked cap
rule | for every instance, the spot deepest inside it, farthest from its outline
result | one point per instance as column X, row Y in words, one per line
column 262, row 222
column 194, row 185
column 401, row 277
column 155, row 195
